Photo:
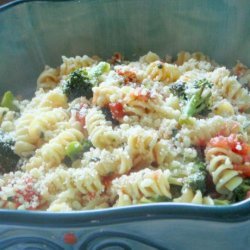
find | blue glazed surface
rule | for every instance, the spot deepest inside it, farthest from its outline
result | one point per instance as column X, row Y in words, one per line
column 38, row 32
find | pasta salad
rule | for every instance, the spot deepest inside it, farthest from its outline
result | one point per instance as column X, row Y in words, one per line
column 101, row 134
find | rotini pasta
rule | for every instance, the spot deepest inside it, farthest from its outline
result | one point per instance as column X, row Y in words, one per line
column 225, row 178
column 105, row 162
column 188, row 196
column 201, row 131
column 72, row 63
column 163, row 72
column 25, row 144
column 221, row 161
column 145, row 183
column 48, row 79
column 100, row 131
column 51, row 154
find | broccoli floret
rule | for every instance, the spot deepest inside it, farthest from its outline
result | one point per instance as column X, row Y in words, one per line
column 155, row 199
column 197, row 180
column 175, row 190
column 78, row 84
column 75, row 149
column 108, row 116
column 220, row 202
column 8, row 159
column 8, row 101
column 86, row 146
column 178, row 89
column 198, row 102
column 99, row 69
column 241, row 191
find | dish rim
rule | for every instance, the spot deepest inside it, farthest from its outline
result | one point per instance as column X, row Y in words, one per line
column 237, row 212
column 13, row 3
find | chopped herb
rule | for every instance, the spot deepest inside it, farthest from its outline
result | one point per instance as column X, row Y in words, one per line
column 160, row 66
column 179, row 89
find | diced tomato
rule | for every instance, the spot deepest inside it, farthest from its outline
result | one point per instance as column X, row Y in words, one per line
column 231, row 142
column 240, row 69
column 128, row 75
column 141, row 95
column 218, row 141
column 243, row 170
column 106, row 180
column 201, row 143
column 116, row 110
column 28, row 194
column 116, row 58
column 243, row 149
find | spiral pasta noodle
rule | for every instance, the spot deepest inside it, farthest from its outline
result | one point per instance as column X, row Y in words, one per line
column 51, row 99
column 48, row 79
column 103, row 95
column 149, row 58
column 54, row 183
column 203, row 130
column 145, row 183
column 141, row 145
column 25, row 143
column 140, row 102
column 72, row 63
column 46, row 121
column 188, row 196
column 100, row 131
column 163, row 72
column 52, row 153
column 7, row 119
column 230, row 88
column 117, row 161
column 85, row 181
column 233, row 90
column 224, row 176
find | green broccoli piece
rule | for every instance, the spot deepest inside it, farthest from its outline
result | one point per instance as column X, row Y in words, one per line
column 155, row 199
column 175, row 190
column 86, row 146
column 99, row 69
column 8, row 101
column 75, row 149
column 241, row 191
column 108, row 116
column 178, row 89
column 199, row 102
column 220, row 202
column 78, row 84
column 8, row 159
column 197, row 180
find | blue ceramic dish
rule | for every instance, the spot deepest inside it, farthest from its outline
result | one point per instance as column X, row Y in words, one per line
column 35, row 33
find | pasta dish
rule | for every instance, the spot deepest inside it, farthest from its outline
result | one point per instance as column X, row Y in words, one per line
column 101, row 134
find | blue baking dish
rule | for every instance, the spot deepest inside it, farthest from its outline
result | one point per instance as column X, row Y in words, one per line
column 36, row 33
